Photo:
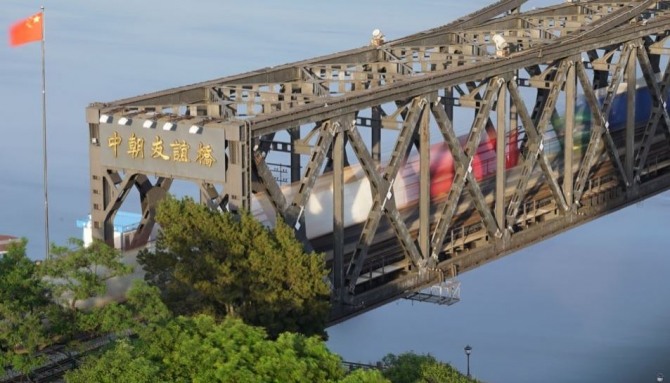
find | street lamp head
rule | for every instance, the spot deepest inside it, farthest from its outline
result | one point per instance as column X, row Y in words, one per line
column 659, row 377
column 468, row 350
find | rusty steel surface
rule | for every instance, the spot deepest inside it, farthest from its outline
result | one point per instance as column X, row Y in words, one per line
column 548, row 81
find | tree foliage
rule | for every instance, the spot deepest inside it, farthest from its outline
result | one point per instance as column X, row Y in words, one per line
column 119, row 364
column 412, row 368
column 77, row 272
column 200, row 349
column 142, row 309
column 231, row 265
column 365, row 376
column 29, row 320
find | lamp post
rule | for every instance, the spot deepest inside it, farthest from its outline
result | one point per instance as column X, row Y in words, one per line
column 468, row 351
column 659, row 377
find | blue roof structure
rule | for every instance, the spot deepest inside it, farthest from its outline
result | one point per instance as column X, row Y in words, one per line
column 123, row 221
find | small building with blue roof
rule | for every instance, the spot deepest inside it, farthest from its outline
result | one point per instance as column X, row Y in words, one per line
column 125, row 224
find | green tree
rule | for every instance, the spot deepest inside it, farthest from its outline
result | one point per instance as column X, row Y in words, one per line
column 412, row 368
column 200, row 349
column 29, row 321
column 121, row 363
column 77, row 272
column 365, row 376
column 231, row 265
column 143, row 308
column 141, row 315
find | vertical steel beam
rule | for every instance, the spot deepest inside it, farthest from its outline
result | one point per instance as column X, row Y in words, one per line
column 376, row 132
column 338, row 208
column 246, row 154
column 501, row 158
column 424, row 183
column 513, row 125
column 239, row 173
column 100, row 186
column 295, row 157
column 205, row 197
column 449, row 108
column 107, row 221
column 569, row 141
column 631, row 80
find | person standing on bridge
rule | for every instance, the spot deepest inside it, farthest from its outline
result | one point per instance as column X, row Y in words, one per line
column 377, row 38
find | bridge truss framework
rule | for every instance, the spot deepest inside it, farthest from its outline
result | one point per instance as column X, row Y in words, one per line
column 412, row 87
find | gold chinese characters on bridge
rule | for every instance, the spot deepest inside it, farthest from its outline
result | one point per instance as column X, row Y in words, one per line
column 179, row 150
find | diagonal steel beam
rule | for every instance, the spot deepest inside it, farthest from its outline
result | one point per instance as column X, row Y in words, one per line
column 376, row 184
column 269, row 183
column 318, row 89
column 463, row 168
column 658, row 111
column 294, row 212
column 389, row 57
column 600, row 125
column 383, row 200
column 405, row 139
column 535, row 147
column 215, row 199
column 120, row 190
column 149, row 199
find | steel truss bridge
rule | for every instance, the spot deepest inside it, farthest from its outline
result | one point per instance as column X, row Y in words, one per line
column 377, row 106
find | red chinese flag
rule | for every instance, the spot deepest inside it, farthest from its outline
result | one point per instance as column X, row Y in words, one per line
column 26, row 31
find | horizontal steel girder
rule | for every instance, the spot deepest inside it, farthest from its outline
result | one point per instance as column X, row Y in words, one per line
column 608, row 17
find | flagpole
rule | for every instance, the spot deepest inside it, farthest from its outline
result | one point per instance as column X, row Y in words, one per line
column 44, row 140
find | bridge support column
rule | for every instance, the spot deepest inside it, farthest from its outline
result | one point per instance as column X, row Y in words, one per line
column 101, row 188
column 631, row 80
column 339, row 292
column 295, row 157
column 376, row 132
column 239, row 168
column 569, row 141
column 424, row 182
column 501, row 158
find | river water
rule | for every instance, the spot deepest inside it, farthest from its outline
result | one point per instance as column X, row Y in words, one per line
column 588, row 305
